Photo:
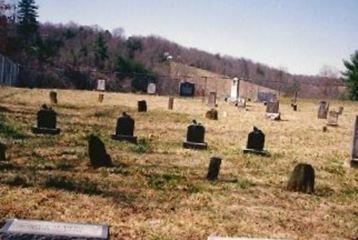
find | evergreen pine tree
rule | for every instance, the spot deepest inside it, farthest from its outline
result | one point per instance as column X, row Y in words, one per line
column 351, row 76
column 27, row 16
column 100, row 51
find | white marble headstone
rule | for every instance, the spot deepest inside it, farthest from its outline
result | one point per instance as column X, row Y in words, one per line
column 101, row 85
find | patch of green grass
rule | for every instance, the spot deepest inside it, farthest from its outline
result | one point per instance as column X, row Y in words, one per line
column 244, row 183
column 72, row 185
column 159, row 237
column 64, row 166
column 350, row 190
column 141, row 147
column 165, row 181
column 9, row 131
column 7, row 166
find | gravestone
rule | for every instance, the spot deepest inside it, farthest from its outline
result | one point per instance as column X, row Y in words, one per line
column 294, row 106
column 100, row 97
column 142, row 106
column 2, row 152
column 187, row 89
column 354, row 157
column 340, row 110
column 97, row 153
column 125, row 129
column 302, row 179
column 256, row 143
column 53, row 97
column 212, row 114
column 45, row 230
column 152, row 88
column 195, row 136
column 101, row 85
column 171, row 103
column 323, row 110
column 46, row 121
column 273, row 107
column 333, row 118
column 241, row 103
column 212, row 99
column 214, row 168
column 234, row 89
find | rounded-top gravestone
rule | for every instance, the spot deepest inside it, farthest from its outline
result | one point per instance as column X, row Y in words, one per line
column 212, row 114
column 97, row 153
column 125, row 129
column 195, row 136
column 46, row 121
column 302, row 179
column 256, row 142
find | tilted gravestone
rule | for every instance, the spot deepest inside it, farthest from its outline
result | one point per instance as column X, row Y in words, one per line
column 323, row 110
column 125, row 129
column 142, row 106
column 171, row 103
column 45, row 230
column 333, row 118
column 100, row 97
column 97, row 153
column 2, row 152
column 340, row 110
column 46, row 121
column 212, row 99
column 302, row 179
column 354, row 157
column 273, row 107
column 212, row 114
column 256, row 143
column 53, row 97
column 195, row 136
column 214, row 168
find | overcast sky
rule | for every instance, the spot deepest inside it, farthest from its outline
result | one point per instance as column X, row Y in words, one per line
column 301, row 35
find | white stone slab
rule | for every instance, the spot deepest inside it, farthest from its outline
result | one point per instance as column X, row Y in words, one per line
column 101, row 85
column 34, row 227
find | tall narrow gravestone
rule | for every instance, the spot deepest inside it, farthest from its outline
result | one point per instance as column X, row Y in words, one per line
column 45, row 230
column 171, row 103
column 333, row 118
column 214, row 168
column 212, row 99
column 125, row 129
column 53, row 97
column 46, row 121
column 323, row 110
column 195, row 136
column 354, row 158
column 142, row 106
column 256, row 143
column 2, row 152
column 97, row 153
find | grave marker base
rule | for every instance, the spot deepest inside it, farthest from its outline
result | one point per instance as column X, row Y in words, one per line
column 354, row 163
column 257, row 152
column 332, row 124
column 47, row 131
column 194, row 145
column 131, row 139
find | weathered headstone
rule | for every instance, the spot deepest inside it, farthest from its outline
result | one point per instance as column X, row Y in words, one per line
column 187, row 89
column 294, row 106
column 323, row 110
column 142, row 106
column 241, row 103
column 2, row 152
column 195, row 136
column 212, row 114
column 100, row 97
column 46, row 121
column 152, row 88
column 101, row 85
column 171, row 103
column 340, row 110
column 273, row 107
column 354, row 157
column 214, row 168
column 125, row 129
column 256, row 143
column 53, row 97
column 234, row 89
column 333, row 118
column 212, row 99
column 302, row 179
column 97, row 153
column 45, row 230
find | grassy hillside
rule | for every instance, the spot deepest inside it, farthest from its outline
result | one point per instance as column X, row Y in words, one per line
column 157, row 189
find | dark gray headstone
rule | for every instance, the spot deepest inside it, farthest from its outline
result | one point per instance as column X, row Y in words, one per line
column 44, row 230
column 187, row 89
column 195, row 136
column 53, row 97
column 214, row 168
column 46, row 121
column 97, row 153
column 354, row 158
column 302, row 179
column 171, row 103
column 2, row 152
column 142, row 106
column 125, row 129
column 256, row 142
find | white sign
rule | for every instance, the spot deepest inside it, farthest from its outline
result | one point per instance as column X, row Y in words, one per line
column 101, row 85
column 151, row 89
column 34, row 227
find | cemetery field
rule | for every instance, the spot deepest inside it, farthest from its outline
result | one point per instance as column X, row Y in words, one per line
column 157, row 190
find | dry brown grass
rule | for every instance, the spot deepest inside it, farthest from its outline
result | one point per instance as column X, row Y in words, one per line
column 158, row 190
